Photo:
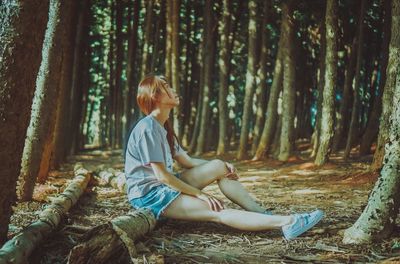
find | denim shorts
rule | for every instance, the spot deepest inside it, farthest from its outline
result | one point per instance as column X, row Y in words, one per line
column 157, row 199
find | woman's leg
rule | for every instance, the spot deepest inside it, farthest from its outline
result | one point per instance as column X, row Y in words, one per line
column 205, row 174
column 187, row 207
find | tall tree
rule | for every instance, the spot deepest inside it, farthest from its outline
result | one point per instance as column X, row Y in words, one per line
column 22, row 28
column 250, row 80
column 75, row 104
column 261, row 89
column 146, row 53
column 386, row 107
column 175, row 64
column 372, row 128
column 224, row 65
column 208, row 66
column 355, row 112
column 330, row 76
column 289, row 92
column 379, row 216
column 118, row 102
column 342, row 117
column 320, row 90
column 46, row 95
column 131, row 65
column 68, row 35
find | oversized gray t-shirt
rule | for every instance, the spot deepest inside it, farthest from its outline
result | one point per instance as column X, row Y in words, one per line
column 147, row 143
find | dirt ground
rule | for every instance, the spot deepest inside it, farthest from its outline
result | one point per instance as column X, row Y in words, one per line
column 339, row 188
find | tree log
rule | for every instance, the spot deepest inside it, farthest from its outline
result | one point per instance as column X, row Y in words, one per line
column 18, row 249
column 112, row 177
column 115, row 240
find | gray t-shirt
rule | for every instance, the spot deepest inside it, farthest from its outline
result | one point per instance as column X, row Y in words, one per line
column 147, row 143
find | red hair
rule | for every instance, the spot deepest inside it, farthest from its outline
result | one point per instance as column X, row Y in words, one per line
column 149, row 88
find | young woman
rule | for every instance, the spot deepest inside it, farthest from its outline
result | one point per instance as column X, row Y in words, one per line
column 152, row 184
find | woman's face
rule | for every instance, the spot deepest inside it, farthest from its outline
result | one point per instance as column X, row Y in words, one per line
column 168, row 97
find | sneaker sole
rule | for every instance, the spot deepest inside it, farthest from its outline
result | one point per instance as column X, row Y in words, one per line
column 306, row 228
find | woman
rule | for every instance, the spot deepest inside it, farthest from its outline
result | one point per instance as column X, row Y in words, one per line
column 150, row 151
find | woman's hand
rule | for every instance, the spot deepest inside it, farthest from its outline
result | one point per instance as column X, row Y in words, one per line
column 232, row 173
column 214, row 203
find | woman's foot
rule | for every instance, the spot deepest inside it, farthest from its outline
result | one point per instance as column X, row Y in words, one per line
column 301, row 224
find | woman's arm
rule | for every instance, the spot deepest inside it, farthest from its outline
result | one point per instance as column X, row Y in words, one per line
column 167, row 178
column 188, row 162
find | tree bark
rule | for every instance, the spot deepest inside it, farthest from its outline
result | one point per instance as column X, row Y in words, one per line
column 320, row 90
column 342, row 117
column 75, row 103
column 114, row 240
column 379, row 216
column 147, row 39
column 250, row 81
column 262, row 77
column 272, row 108
column 130, row 99
column 330, row 75
column 22, row 28
column 46, row 95
column 289, row 92
column 354, row 122
column 175, row 65
column 208, row 66
column 60, row 133
column 386, row 103
column 373, row 122
column 64, row 38
column 19, row 248
column 224, row 65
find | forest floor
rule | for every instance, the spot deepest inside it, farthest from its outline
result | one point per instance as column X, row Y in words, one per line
column 339, row 188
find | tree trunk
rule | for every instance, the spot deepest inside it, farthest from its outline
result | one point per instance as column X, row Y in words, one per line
column 118, row 74
column 320, row 89
column 130, row 99
column 261, row 89
column 175, row 65
column 60, row 133
column 208, row 65
column 168, row 40
column 383, row 135
column 289, row 92
column 75, row 104
column 342, row 117
column 330, row 76
column 373, row 121
column 224, row 65
column 63, row 37
column 250, row 81
column 18, row 249
column 272, row 108
column 146, row 53
column 22, row 28
column 379, row 216
column 355, row 123
column 115, row 240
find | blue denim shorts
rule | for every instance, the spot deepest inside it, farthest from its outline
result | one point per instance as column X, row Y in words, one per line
column 157, row 199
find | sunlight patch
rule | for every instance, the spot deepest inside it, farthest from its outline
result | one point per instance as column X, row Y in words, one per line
column 302, row 172
column 308, row 191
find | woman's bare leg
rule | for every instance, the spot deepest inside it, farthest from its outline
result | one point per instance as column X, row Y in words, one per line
column 187, row 207
column 205, row 174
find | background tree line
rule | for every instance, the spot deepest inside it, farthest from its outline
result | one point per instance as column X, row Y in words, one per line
column 254, row 76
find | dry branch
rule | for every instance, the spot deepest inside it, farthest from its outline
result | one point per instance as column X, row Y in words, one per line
column 113, row 240
column 18, row 249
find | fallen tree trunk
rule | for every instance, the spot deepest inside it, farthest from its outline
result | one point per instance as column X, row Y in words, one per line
column 112, row 177
column 19, row 248
column 115, row 240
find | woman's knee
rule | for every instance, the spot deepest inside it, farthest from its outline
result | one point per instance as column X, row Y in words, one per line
column 219, row 167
